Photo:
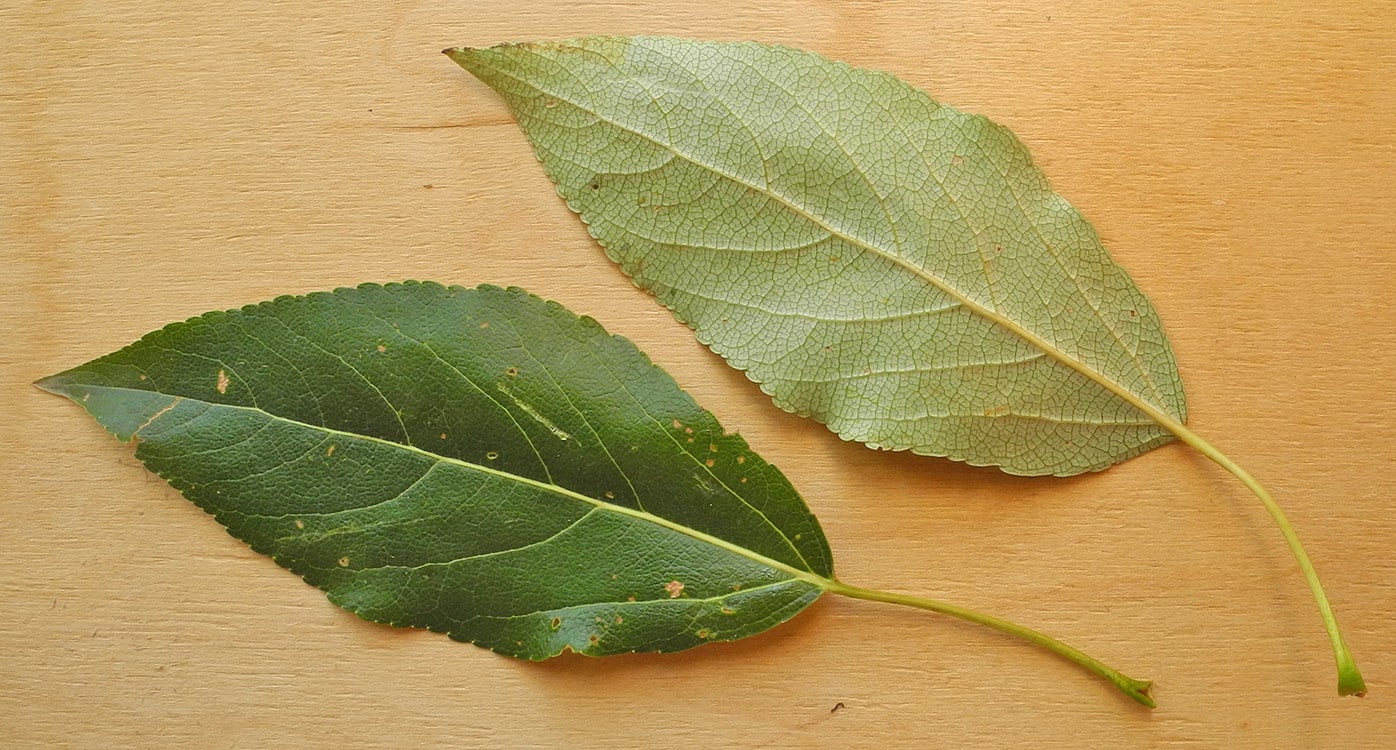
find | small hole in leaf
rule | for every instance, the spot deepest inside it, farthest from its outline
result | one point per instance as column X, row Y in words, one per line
column 491, row 455
column 555, row 623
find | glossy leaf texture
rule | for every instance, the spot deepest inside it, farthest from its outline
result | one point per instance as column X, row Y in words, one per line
column 475, row 462
column 876, row 260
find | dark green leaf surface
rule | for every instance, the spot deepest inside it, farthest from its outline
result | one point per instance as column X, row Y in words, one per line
column 476, row 462
column 876, row 260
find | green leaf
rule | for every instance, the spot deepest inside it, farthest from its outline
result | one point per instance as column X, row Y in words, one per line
column 876, row 260
column 885, row 264
column 479, row 463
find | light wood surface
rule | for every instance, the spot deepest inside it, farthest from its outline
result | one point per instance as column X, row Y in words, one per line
column 162, row 159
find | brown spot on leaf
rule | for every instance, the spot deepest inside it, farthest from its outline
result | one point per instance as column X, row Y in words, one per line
column 512, row 372
column 709, row 463
column 382, row 348
column 678, row 425
column 343, row 562
column 555, row 623
column 618, row 620
column 329, row 451
column 674, row 588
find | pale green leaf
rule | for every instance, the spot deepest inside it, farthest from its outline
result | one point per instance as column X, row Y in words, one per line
column 883, row 263
column 876, row 260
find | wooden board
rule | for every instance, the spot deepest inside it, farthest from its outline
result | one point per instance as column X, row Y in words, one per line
column 163, row 159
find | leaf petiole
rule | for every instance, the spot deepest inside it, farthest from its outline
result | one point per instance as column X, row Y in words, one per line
column 1135, row 689
column 1349, row 678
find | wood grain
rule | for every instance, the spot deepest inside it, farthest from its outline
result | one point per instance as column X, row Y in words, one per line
column 163, row 159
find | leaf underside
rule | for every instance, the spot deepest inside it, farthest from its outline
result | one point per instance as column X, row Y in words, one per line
column 476, row 462
column 883, row 263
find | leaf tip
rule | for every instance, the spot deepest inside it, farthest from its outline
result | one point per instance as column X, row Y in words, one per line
column 52, row 384
column 458, row 55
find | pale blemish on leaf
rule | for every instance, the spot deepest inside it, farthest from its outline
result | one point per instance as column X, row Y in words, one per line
column 156, row 415
column 674, row 588
column 222, row 384
column 528, row 409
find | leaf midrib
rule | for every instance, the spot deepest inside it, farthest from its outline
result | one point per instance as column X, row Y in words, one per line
column 804, row 575
column 1159, row 416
